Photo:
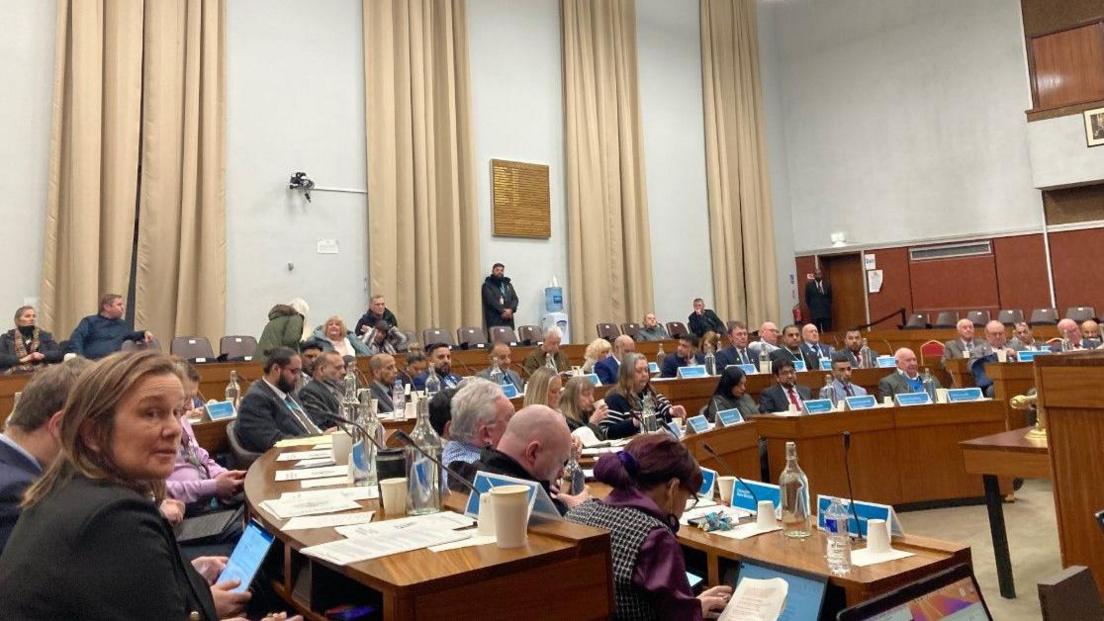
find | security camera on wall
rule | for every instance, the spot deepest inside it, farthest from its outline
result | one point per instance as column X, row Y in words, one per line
column 300, row 181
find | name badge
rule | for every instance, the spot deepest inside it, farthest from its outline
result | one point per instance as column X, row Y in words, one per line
column 697, row 424
column 593, row 377
column 1030, row 355
column 709, row 477
column 727, row 418
column 695, row 370
column 509, row 390
column 817, row 406
column 799, row 365
column 885, row 362
column 866, row 511
column 221, row 410
column 825, row 364
column 673, row 428
column 906, row 399
column 861, row 402
column 653, row 367
column 742, row 498
column 958, row 395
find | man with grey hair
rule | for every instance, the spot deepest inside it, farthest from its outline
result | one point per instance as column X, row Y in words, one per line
column 608, row 367
column 548, row 350
column 480, row 413
column 964, row 344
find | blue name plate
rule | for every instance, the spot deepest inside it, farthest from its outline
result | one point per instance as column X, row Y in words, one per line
column 221, row 410
column 674, row 430
column 741, row 497
column 885, row 362
column 865, row 510
column 817, row 406
column 694, row 370
column 708, row 478
column 727, row 418
column 825, row 364
column 861, row 402
column 593, row 377
column 1029, row 355
column 958, row 395
column 697, row 424
column 653, row 367
column 913, row 398
column 799, row 365
column 509, row 390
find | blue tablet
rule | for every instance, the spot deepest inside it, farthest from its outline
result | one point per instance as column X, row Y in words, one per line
column 247, row 556
column 806, row 592
column 221, row 410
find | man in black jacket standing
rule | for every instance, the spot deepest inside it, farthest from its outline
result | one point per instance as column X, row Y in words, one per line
column 500, row 301
column 704, row 320
column 818, row 297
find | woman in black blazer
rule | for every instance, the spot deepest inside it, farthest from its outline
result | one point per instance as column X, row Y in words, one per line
column 90, row 542
column 27, row 347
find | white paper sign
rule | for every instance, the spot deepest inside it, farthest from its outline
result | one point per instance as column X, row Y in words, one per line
column 869, row 262
column 874, row 281
column 327, row 246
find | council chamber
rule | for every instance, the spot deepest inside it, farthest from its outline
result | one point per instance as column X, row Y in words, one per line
column 556, row 309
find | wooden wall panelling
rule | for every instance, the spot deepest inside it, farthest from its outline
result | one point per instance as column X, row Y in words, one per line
column 1077, row 258
column 805, row 266
column 1021, row 273
column 1066, row 66
column 966, row 283
column 1072, row 205
column 1045, row 16
column 896, row 286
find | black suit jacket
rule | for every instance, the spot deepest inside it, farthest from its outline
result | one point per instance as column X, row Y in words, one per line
column 16, row 475
column 698, row 325
column 382, row 395
column 774, row 399
column 812, row 362
column 729, row 355
column 94, row 550
column 264, row 419
column 46, row 345
column 820, row 304
column 318, row 401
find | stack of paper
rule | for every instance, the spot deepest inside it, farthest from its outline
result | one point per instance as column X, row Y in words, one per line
column 378, row 539
column 327, row 521
column 312, row 454
column 311, row 473
column 756, row 600
column 307, row 441
column 295, row 507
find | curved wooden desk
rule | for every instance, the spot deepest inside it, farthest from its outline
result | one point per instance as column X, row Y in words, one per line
column 564, row 572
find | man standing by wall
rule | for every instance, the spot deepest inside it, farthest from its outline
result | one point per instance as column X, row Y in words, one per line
column 500, row 301
column 818, row 297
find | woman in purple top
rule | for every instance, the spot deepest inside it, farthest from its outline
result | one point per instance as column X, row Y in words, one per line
column 652, row 478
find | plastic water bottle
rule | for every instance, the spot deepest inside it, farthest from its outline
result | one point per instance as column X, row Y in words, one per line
column 929, row 384
column 793, row 489
column 233, row 390
column 839, row 540
column 710, row 361
column 398, row 398
column 660, row 355
column 573, row 473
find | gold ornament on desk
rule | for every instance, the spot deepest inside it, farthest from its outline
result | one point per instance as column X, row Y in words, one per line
column 1026, row 402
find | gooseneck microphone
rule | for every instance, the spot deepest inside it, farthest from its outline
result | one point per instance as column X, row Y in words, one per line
column 408, row 441
column 341, row 420
column 850, row 491
column 709, row 449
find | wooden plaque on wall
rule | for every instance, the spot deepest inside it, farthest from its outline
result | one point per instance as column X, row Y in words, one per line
column 519, row 196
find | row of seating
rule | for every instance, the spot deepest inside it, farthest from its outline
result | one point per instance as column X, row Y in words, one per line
column 1007, row 316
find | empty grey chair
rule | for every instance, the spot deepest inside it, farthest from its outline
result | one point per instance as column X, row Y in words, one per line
column 437, row 335
column 608, row 331
column 630, row 329
column 237, row 347
column 916, row 321
column 471, row 338
column 978, row 317
column 1044, row 317
column 676, row 329
column 945, row 319
column 1010, row 316
column 194, row 348
column 503, row 334
column 1081, row 313
column 528, row 334
column 242, row 457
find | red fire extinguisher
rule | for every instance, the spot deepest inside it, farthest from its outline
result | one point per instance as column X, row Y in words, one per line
column 797, row 313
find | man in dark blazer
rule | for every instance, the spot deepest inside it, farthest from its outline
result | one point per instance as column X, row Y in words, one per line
column 30, row 440
column 792, row 351
column 737, row 352
column 269, row 412
column 608, row 367
column 384, row 373
column 853, row 339
column 818, row 297
column 322, row 395
column 785, row 391
column 684, row 356
column 703, row 320
column 500, row 301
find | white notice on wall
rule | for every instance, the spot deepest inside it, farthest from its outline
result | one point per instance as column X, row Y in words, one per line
column 327, row 246
column 869, row 261
column 874, row 281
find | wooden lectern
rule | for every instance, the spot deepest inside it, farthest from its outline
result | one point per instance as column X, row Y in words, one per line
column 1071, row 397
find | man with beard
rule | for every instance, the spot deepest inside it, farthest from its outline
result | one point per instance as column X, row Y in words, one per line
column 269, row 412
column 440, row 359
column 500, row 301
column 322, row 396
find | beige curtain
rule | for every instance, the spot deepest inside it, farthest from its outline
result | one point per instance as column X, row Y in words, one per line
column 180, row 286
column 609, row 241
column 422, row 218
column 741, row 229
column 93, row 158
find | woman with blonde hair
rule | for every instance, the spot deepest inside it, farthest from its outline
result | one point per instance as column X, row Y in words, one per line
column 335, row 337
column 579, row 408
column 91, row 522
column 626, row 400
column 597, row 350
column 543, row 388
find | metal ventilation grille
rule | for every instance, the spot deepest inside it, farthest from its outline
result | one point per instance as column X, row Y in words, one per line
column 951, row 251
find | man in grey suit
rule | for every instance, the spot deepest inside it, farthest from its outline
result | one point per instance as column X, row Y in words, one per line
column 321, row 397
column 785, row 392
column 994, row 340
column 907, row 377
column 853, row 339
column 384, row 373
column 500, row 356
column 269, row 412
column 963, row 344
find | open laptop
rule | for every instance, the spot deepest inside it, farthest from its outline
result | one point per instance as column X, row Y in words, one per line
column 952, row 594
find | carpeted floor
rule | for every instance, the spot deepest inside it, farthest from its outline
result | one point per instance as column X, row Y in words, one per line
column 1033, row 545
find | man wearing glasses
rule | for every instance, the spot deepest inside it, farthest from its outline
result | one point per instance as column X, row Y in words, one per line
column 269, row 412
column 322, row 396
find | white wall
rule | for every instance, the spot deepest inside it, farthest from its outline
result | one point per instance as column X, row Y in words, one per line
column 903, row 120
column 295, row 103
column 27, row 57
column 517, row 114
column 669, row 71
column 1060, row 154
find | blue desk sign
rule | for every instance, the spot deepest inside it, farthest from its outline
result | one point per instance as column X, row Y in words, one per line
column 653, row 367
column 805, row 592
column 861, row 402
column 728, row 418
column 748, row 369
column 484, row 481
column 825, row 364
column 742, row 499
column 885, row 362
column 959, row 395
column 709, row 477
column 697, row 424
column 510, row 390
column 912, row 398
column 693, row 370
column 799, row 366
column 865, row 510
column 674, row 429
column 1029, row 355
column 593, row 377
column 816, row 406
column 221, row 410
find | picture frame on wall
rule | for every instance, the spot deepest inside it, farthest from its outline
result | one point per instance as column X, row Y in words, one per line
column 1094, row 127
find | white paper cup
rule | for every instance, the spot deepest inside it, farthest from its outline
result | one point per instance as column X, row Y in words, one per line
column 1002, row 355
column 511, row 515
column 393, row 492
column 765, row 517
column 877, row 536
column 342, row 447
column 727, row 486
column 887, row 401
column 940, row 395
column 486, row 516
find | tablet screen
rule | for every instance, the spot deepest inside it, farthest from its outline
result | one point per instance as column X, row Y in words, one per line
column 247, row 556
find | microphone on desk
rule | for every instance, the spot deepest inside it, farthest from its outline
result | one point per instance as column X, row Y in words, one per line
column 408, row 441
column 709, row 449
column 847, row 469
